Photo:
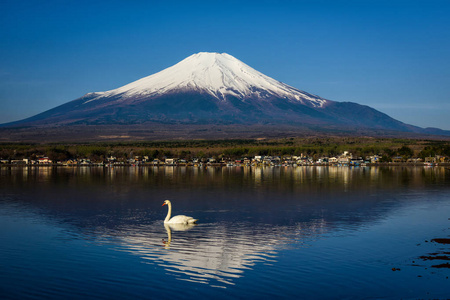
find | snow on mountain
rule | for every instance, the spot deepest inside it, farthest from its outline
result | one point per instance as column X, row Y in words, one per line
column 216, row 74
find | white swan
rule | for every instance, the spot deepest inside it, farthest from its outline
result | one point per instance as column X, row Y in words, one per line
column 180, row 219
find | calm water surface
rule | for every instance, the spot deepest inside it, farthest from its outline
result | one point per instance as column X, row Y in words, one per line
column 306, row 232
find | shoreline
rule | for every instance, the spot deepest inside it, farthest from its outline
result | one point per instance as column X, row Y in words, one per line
column 226, row 165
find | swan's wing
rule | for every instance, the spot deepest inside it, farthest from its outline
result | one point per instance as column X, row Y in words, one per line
column 180, row 226
column 182, row 219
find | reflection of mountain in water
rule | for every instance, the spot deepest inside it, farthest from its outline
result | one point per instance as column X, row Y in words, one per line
column 247, row 215
column 214, row 254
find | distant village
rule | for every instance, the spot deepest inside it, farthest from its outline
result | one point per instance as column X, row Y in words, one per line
column 345, row 159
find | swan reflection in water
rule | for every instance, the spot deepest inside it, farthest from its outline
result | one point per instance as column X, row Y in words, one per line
column 175, row 227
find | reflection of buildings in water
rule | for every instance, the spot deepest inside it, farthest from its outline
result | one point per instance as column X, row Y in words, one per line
column 25, row 173
column 211, row 172
column 144, row 173
column 135, row 172
column 169, row 171
column 345, row 175
column 373, row 172
column 258, row 175
column 300, row 179
column 344, row 178
column 247, row 171
column 44, row 173
column 111, row 173
column 216, row 254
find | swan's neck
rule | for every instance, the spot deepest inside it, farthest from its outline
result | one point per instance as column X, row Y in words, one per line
column 169, row 213
column 169, row 236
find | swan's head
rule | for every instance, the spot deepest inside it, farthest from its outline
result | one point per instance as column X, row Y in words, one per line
column 166, row 202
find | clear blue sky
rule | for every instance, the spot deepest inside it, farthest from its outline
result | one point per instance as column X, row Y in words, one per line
column 391, row 55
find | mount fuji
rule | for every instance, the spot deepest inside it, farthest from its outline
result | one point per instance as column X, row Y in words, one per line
column 214, row 89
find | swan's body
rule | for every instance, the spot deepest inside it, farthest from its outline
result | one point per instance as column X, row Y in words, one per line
column 180, row 219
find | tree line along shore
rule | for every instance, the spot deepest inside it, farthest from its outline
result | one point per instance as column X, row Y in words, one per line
column 306, row 150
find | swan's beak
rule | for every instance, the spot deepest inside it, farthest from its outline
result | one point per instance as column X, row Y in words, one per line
column 163, row 204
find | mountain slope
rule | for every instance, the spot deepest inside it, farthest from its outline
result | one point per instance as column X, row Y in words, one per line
column 212, row 88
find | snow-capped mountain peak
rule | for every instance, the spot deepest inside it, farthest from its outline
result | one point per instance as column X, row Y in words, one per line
column 218, row 74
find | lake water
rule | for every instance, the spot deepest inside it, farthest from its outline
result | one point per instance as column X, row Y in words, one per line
column 263, row 233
